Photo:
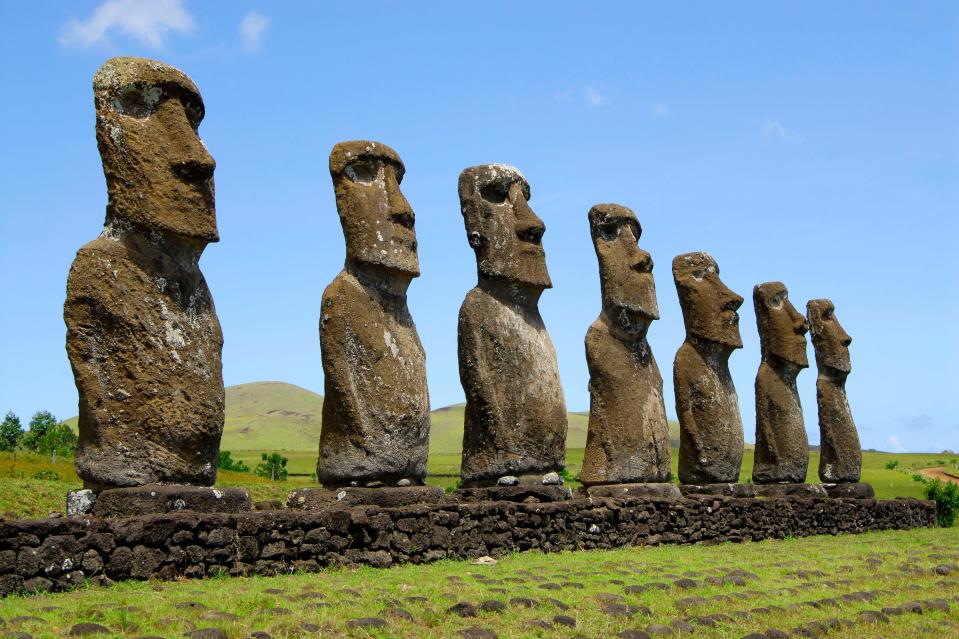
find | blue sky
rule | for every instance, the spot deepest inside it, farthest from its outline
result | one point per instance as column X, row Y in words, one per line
column 812, row 143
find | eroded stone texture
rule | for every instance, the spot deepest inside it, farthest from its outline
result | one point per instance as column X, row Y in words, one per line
column 628, row 437
column 710, row 425
column 782, row 448
column 376, row 412
column 515, row 420
column 143, row 337
column 840, row 457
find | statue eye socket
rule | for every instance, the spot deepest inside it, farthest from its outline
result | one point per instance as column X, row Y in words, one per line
column 609, row 231
column 138, row 101
column 827, row 314
column 363, row 171
column 495, row 192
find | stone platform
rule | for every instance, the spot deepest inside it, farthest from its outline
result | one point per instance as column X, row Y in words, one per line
column 529, row 493
column 60, row 553
column 648, row 491
column 157, row 498
column 314, row 499
column 855, row 491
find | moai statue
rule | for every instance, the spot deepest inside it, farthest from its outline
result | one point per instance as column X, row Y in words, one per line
column 142, row 333
column 628, row 436
column 376, row 413
column 840, row 457
column 711, row 428
column 782, row 448
column 515, row 425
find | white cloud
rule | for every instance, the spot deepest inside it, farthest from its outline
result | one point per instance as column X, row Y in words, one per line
column 773, row 128
column 594, row 98
column 896, row 444
column 252, row 28
column 148, row 21
column 659, row 110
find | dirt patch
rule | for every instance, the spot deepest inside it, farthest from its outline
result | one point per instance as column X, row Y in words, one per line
column 940, row 474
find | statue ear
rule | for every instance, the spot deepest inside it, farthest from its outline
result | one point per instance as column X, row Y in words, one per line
column 475, row 239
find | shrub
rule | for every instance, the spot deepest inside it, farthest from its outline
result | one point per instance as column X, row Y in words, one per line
column 226, row 462
column 273, row 467
column 47, row 475
column 891, row 465
column 10, row 432
column 946, row 496
column 49, row 436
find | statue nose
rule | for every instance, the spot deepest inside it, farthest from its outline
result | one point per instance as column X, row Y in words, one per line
column 195, row 170
column 644, row 263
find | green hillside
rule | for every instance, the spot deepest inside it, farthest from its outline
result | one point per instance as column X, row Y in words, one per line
column 281, row 416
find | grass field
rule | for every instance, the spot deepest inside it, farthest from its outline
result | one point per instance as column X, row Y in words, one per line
column 723, row 591
column 24, row 495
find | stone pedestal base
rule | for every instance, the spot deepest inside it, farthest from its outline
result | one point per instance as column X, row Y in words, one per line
column 648, row 491
column 852, row 491
column 312, row 499
column 790, row 490
column 721, row 490
column 527, row 494
column 165, row 498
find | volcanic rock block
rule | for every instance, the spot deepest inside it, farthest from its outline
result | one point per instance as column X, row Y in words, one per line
column 376, row 412
column 143, row 337
column 527, row 493
column 710, row 425
column 515, row 422
column 723, row 490
column 647, row 490
column 628, row 437
column 790, row 490
column 386, row 497
column 852, row 490
column 165, row 498
column 840, row 458
column 782, row 448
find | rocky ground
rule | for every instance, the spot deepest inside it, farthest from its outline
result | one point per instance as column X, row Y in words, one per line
column 890, row 584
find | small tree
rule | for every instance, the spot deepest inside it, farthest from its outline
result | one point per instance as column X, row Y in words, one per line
column 273, row 466
column 11, row 432
column 226, row 462
column 49, row 436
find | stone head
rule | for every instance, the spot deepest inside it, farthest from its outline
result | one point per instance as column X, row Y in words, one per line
column 377, row 221
column 625, row 270
column 829, row 340
column 782, row 329
column 503, row 230
column 709, row 307
column 158, row 171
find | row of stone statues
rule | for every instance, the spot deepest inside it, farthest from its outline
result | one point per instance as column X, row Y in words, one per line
column 145, row 344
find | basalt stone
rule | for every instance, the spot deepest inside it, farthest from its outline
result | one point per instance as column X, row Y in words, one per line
column 376, row 412
column 646, row 491
column 143, row 337
column 710, row 425
column 628, row 438
column 856, row 490
column 782, row 448
column 165, row 498
column 840, row 457
column 790, row 490
column 80, row 502
column 523, row 493
column 387, row 497
column 724, row 490
column 515, row 419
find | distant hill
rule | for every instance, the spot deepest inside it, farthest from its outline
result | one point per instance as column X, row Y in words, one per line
column 281, row 416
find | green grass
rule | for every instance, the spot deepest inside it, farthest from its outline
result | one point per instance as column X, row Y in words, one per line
column 899, row 564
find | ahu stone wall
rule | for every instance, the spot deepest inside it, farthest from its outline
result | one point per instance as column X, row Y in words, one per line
column 56, row 554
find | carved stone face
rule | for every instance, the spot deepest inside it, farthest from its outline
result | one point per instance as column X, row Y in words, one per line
column 625, row 270
column 829, row 339
column 159, row 174
column 709, row 307
column 377, row 220
column 501, row 227
column 782, row 329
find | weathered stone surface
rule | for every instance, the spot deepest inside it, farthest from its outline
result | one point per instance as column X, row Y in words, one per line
column 376, row 412
column 143, row 337
column 165, row 498
column 386, row 497
column 725, row 490
column 647, row 491
column 710, row 425
column 80, row 502
column 528, row 493
column 515, row 421
column 854, row 490
column 840, row 457
column 782, row 448
column 789, row 490
column 628, row 437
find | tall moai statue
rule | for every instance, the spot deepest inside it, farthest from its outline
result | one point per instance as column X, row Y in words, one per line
column 376, row 412
column 710, row 425
column 628, row 436
column 143, row 337
column 840, row 457
column 515, row 424
column 782, row 448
